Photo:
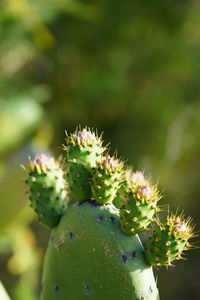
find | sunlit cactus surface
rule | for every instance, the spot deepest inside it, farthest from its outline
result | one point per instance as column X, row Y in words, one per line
column 96, row 206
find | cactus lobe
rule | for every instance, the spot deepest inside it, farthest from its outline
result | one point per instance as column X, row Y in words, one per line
column 47, row 189
column 138, row 205
column 100, row 262
column 169, row 241
column 83, row 149
column 106, row 179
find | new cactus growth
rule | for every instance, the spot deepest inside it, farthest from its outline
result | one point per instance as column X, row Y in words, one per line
column 83, row 149
column 139, row 207
column 129, row 180
column 169, row 241
column 106, row 179
column 47, row 189
column 95, row 251
column 137, row 200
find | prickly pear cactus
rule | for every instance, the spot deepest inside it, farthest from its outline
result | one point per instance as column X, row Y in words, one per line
column 94, row 251
column 47, row 190
column 97, row 259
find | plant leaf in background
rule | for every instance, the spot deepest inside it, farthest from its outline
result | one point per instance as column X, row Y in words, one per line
column 18, row 119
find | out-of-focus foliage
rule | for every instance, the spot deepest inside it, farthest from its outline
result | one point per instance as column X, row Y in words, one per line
column 17, row 118
column 23, row 256
column 132, row 70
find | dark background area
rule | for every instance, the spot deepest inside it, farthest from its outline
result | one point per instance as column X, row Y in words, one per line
column 130, row 69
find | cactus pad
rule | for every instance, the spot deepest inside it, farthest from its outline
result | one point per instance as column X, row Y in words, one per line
column 98, row 261
column 138, row 206
column 47, row 189
column 169, row 241
column 106, row 179
column 83, row 149
column 129, row 180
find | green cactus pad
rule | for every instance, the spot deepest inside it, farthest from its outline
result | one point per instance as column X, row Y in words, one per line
column 89, row 257
column 83, row 149
column 129, row 179
column 78, row 180
column 169, row 241
column 138, row 206
column 47, row 190
column 106, row 179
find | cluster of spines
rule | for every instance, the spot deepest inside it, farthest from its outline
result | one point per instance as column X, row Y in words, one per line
column 137, row 201
column 84, row 148
column 169, row 241
column 129, row 180
column 106, row 178
column 84, row 137
column 47, row 189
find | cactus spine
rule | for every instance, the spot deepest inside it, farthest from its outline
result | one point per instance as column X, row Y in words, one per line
column 94, row 251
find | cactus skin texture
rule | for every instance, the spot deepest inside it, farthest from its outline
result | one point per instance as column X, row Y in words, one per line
column 47, row 189
column 95, row 251
column 129, row 180
column 98, row 261
column 138, row 209
column 168, row 241
column 83, row 149
column 137, row 201
column 106, row 179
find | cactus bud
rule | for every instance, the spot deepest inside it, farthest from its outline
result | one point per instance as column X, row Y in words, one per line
column 83, row 149
column 133, row 178
column 144, row 192
column 47, row 189
column 169, row 241
column 85, row 137
column 138, row 206
column 106, row 179
column 130, row 179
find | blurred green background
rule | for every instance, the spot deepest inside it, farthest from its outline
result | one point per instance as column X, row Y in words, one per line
column 130, row 69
